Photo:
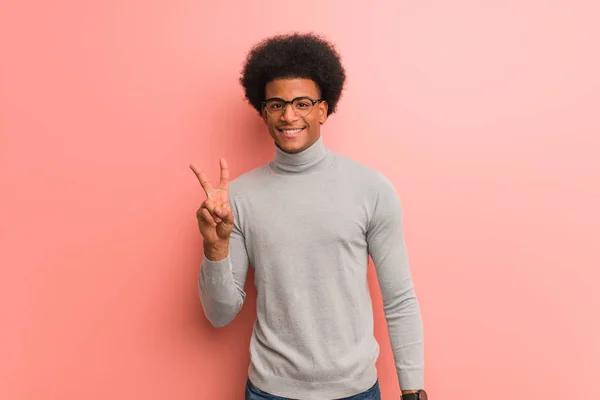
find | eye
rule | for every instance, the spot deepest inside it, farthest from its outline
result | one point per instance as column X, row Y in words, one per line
column 303, row 104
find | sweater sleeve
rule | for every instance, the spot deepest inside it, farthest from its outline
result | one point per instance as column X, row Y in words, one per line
column 387, row 248
column 221, row 283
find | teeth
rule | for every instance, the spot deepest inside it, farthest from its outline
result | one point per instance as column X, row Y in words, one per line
column 291, row 131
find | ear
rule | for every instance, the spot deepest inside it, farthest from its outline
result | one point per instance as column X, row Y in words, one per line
column 323, row 107
column 263, row 114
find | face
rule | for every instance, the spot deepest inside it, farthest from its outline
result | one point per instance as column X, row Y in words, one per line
column 291, row 132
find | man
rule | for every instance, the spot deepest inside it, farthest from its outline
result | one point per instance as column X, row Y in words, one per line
column 307, row 222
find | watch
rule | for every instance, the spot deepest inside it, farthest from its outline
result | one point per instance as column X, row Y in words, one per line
column 420, row 395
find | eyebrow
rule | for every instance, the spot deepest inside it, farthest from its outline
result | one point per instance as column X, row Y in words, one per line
column 298, row 97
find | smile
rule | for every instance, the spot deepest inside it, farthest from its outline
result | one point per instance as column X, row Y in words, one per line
column 291, row 133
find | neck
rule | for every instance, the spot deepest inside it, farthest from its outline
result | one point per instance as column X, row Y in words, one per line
column 303, row 161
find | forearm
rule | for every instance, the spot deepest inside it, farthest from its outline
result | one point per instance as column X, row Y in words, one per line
column 406, row 337
column 221, row 296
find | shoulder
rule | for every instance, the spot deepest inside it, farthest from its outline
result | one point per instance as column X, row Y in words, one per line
column 248, row 182
column 362, row 174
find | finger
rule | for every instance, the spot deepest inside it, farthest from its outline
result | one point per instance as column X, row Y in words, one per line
column 207, row 217
column 224, row 184
column 210, row 205
column 202, row 179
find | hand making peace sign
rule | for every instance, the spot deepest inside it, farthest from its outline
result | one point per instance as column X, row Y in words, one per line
column 215, row 218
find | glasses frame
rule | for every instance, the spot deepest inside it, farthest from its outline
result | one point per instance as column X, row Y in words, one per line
column 286, row 102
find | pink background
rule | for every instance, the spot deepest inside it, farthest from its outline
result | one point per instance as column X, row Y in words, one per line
column 484, row 114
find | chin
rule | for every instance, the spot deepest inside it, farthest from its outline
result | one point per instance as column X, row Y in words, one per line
column 292, row 148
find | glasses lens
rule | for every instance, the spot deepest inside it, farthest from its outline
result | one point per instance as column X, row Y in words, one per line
column 302, row 106
column 275, row 107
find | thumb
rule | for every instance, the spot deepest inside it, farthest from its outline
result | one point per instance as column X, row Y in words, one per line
column 227, row 215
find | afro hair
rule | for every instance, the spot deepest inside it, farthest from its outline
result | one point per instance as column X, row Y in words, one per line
column 296, row 55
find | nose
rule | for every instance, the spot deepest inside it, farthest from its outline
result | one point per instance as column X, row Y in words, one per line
column 288, row 114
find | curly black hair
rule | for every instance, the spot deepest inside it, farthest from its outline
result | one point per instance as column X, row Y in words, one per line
column 295, row 55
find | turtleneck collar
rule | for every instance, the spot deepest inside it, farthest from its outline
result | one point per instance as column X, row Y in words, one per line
column 300, row 162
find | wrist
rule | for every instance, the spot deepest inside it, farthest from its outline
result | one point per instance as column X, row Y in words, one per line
column 216, row 251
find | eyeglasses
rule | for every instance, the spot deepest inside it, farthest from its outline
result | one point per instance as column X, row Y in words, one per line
column 302, row 106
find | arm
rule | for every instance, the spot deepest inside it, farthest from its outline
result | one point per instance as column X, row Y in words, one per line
column 222, row 277
column 387, row 248
column 225, row 260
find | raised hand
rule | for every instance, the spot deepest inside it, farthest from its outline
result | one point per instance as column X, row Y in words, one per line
column 215, row 218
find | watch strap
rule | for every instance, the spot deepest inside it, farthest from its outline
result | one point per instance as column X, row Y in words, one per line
column 420, row 395
column 411, row 396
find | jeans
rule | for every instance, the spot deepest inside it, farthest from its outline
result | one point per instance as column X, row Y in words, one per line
column 254, row 393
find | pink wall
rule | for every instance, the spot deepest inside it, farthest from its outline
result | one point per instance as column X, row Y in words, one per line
column 484, row 116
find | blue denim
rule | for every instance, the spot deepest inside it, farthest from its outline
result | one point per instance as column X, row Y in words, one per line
column 254, row 393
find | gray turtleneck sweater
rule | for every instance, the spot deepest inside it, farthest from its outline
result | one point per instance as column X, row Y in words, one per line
column 307, row 223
